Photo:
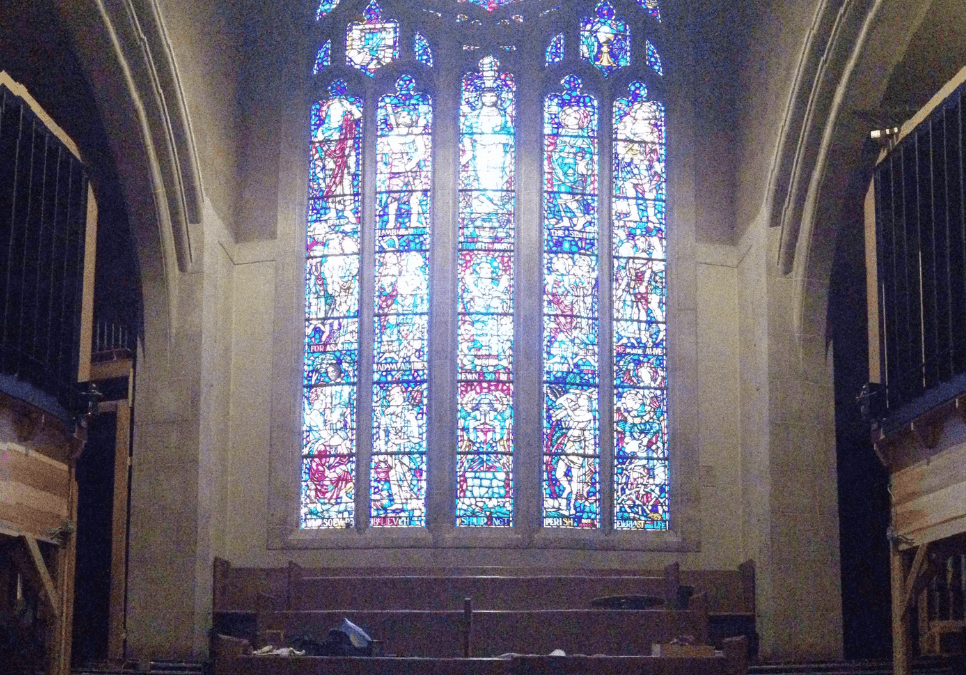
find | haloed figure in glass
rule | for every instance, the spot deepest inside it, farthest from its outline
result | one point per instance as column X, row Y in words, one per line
column 487, row 149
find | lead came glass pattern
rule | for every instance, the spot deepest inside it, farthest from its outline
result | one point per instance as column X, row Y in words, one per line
column 401, row 331
column 491, row 5
column 372, row 43
column 652, row 7
column 555, row 50
column 324, row 57
column 571, row 494
column 640, row 295
column 484, row 494
column 331, row 365
column 424, row 54
column 325, row 6
column 605, row 40
column 654, row 59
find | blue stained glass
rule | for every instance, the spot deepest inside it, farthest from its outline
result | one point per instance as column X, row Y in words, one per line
column 324, row 57
column 398, row 490
column 328, row 491
column 490, row 5
column 372, row 43
column 331, row 351
column 555, row 50
column 484, row 345
column 484, row 494
column 325, row 6
column 570, row 350
column 332, row 312
column 571, row 498
column 640, row 291
column 571, row 306
column 401, row 297
column 424, row 54
column 329, row 420
column 485, row 461
column 654, row 59
column 485, row 298
column 641, row 422
column 652, row 7
column 642, row 483
column 605, row 40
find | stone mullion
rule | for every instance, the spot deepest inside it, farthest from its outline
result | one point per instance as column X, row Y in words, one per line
column 528, row 306
column 441, row 462
column 366, row 310
column 605, row 190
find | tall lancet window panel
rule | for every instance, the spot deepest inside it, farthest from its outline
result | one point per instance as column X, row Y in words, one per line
column 571, row 486
column 640, row 293
column 401, row 330
column 331, row 368
column 485, row 298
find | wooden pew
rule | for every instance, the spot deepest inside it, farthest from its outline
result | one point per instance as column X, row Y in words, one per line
column 730, row 662
column 488, row 633
column 400, row 602
column 422, row 633
column 489, row 592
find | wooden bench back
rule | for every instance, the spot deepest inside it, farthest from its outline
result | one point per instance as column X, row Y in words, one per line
column 487, row 592
column 434, row 634
column 443, row 634
column 237, row 589
column 581, row 631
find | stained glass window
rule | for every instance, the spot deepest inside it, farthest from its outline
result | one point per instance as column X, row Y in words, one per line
column 605, row 40
column 555, row 51
column 401, row 331
column 490, row 5
column 325, row 6
column 571, row 490
column 640, row 293
column 485, row 298
column 626, row 308
column 422, row 50
column 331, row 366
column 652, row 6
column 372, row 43
column 324, row 57
column 654, row 59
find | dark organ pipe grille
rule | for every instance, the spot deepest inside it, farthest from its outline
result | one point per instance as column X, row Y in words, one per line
column 43, row 218
column 921, row 240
